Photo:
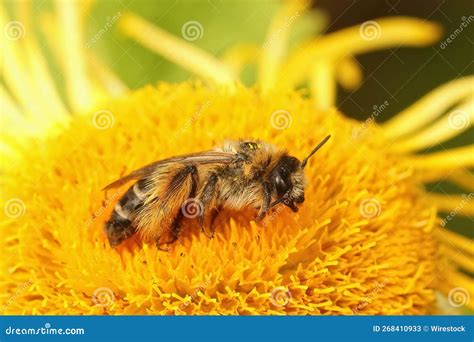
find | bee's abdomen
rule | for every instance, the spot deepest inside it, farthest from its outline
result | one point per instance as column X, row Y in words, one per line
column 120, row 225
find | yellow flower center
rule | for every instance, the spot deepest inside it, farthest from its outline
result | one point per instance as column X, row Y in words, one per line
column 361, row 243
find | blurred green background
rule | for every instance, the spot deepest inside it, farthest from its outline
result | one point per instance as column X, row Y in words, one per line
column 399, row 75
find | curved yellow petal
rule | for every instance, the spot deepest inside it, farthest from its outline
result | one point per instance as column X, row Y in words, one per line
column 55, row 108
column 349, row 73
column 453, row 204
column 176, row 50
column 452, row 124
column 386, row 33
column 72, row 46
column 323, row 84
column 460, row 177
column 456, row 240
column 428, row 107
column 107, row 78
column 450, row 159
column 15, row 72
column 457, row 280
column 274, row 47
column 458, row 257
column 238, row 56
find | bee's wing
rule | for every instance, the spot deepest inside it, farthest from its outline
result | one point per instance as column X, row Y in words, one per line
column 202, row 158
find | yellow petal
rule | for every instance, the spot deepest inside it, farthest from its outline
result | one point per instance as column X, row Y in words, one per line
column 176, row 50
column 323, row 84
column 456, row 240
column 349, row 73
column 274, row 47
column 453, row 204
column 428, row 108
column 452, row 124
column 450, row 159
column 370, row 36
column 238, row 56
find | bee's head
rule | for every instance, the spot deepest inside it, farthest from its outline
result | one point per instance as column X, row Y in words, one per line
column 288, row 181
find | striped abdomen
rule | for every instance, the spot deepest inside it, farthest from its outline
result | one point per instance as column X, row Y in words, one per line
column 120, row 226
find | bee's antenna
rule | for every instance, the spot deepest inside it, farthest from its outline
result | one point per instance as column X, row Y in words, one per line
column 305, row 161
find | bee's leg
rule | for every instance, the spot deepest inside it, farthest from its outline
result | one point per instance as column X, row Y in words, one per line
column 177, row 181
column 174, row 232
column 176, row 227
column 214, row 213
column 205, row 198
column 267, row 200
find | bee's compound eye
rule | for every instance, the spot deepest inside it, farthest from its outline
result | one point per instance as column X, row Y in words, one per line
column 280, row 185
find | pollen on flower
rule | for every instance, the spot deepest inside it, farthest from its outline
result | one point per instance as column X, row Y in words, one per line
column 335, row 256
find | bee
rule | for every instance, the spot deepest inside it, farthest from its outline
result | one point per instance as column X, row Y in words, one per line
column 237, row 175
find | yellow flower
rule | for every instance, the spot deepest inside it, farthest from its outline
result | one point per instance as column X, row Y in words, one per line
column 366, row 241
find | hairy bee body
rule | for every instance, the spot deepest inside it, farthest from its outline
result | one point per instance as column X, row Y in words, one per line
column 236, row 175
